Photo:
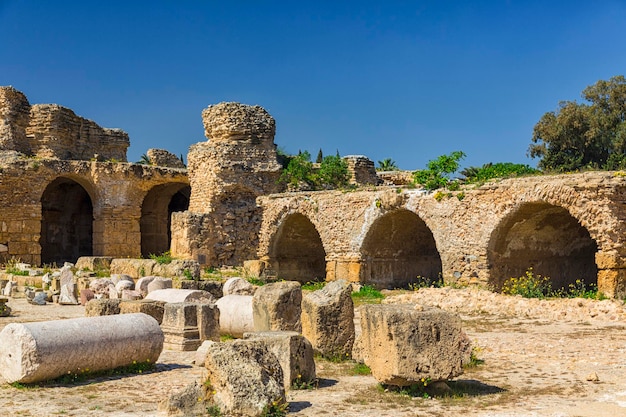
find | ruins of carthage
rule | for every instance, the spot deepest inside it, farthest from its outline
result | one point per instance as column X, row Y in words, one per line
column 67, row 191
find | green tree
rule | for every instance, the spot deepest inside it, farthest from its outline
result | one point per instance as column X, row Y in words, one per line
column 584, row 135
column 333, row 172
column 299, row 171
column 320, row 157
column 387, row 164
column 438, row 172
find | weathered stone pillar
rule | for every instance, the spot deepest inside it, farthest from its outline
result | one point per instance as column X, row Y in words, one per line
column 227, row 174
column 236, row 314
column 611, row 274
column 32, row 352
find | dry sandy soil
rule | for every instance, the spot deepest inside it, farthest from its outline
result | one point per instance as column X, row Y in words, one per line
column 537, row 358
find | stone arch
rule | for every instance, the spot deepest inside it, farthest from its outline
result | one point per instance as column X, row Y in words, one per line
column 156, row 212
column 296, row 251
column 398, row 248
column 66, row 221
column 547, row 238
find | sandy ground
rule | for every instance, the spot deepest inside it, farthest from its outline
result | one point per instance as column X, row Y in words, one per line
column 532, row 367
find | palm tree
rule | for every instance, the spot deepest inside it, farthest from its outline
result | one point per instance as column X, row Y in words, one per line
column 145, row 160
column 387, row 164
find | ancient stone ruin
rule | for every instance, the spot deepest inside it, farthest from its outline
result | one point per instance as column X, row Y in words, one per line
column 228, row 208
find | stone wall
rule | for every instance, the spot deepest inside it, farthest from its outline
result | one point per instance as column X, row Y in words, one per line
column 52, row 131
column 564, row 225
column 163, row 158
column 362, row 170
column 45, row 215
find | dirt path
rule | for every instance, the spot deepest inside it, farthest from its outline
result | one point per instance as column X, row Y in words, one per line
column 532, row 367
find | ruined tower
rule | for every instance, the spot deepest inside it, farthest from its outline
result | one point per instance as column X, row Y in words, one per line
column 227, row 173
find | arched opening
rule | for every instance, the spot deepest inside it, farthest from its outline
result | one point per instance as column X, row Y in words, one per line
column 548, row 239
column 297, row 252
column 156, row 213
column 399, row 248
column 66, row 222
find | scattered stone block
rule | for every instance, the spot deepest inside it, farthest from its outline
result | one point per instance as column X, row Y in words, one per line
column 124, row 284
column 102, row 307
column 293, row 351
column 152, row 308
column 39, row 298
column 190, row 401
column 404, row 343
column 238, row 286
column 254, row 267
column 328, row 319
column 9, row 288
column 100, row 287
column 86, row 295
column 93, row 263
column 33, row 352
column 142, row 284
column 277, row 307
column 173, row 295
column 68, row 287
column 236, row 317
column 208, row 322
column 159, row 283
column 180, row 326
column 244, row 376
column 131, row 295
column 214, row 287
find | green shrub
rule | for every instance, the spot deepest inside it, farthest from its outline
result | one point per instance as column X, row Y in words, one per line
column 333, row 172
column 497, row 170
column 438, row 172
column 367, row 295
column 529, row 285
column 299, row 171
column 313, row 285
column 164, row 258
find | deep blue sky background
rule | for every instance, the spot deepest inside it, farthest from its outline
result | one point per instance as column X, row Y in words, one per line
column 405, row 80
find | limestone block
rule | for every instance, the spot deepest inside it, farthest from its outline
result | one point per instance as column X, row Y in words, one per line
column 612, row 282
column 136, row 268
column 124, row 285
column 9, row 288
column 208, row 322
column 236, row 317
column 116, row 278
column 328, row 319
column 100, row 286
column 131, row 295
column 163, row 158
column 142, row 284
column 159, row 283
column 5, row 310
column 93, row 263
column 404, row 343
column 238, row 286
column 86, row 295
column 244, row 376
column 254, row 267
column 113, row 294
column 293, row 351
column 178, row 268
column 277, row 307
column 39, row 298
column 173, row 295
column 189, row 401
column 102, row 307
column 68, row 287
column 32, row 352
column 180, row 326
column 152, row 308
column 214, row 287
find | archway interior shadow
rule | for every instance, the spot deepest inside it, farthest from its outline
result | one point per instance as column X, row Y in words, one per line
column 156, row 212
column 399, row 249
column 297, row 252
column 66, row 222
column 546, row 238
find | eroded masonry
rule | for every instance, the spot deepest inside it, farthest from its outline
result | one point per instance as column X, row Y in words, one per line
column 67, row 191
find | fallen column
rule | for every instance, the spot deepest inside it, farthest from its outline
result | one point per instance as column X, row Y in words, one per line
column 236, row 317
column 33, row 352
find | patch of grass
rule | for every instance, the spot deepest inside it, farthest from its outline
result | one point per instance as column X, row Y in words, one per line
column 164, row 258
column 226, row 337
column 213, row 411
column 300, row 384
column 334, row 357
column 367, row 295
column 361, row 369
column 313, row 285
column 474, row 360
column 256, row 281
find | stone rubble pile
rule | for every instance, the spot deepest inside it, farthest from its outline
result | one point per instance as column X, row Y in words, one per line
column 474, row 301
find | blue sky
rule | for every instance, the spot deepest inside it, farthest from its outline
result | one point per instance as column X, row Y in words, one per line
column 407, row 80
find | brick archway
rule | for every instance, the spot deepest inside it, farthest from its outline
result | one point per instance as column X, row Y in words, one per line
column 66, row 222
column 397, row 249
column 156, row 211
column 547, row 238
column 297, row 252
